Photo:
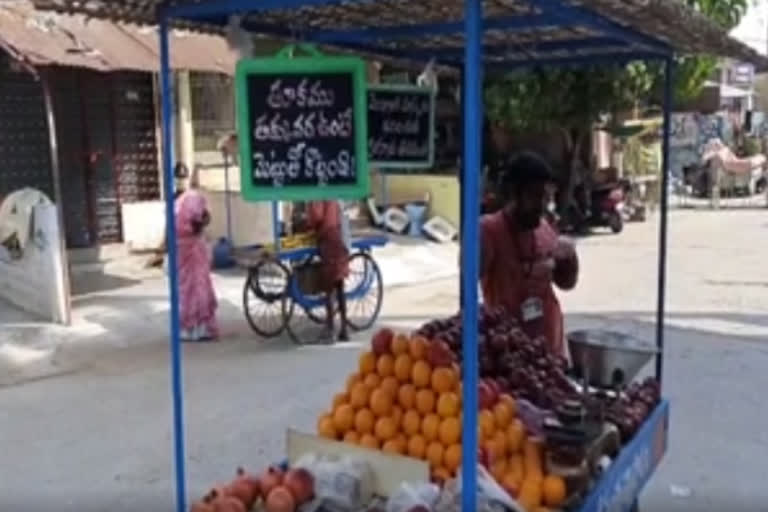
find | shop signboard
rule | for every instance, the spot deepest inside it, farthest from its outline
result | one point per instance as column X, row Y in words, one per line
column 401, row 126
column 302, row 127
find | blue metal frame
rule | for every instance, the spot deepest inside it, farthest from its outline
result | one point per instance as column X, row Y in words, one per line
column 470, row 253
column 552, row 13
column 590, row 43
column 669, row 65
column 620, row 485
column 177, row 390
column 507, row 23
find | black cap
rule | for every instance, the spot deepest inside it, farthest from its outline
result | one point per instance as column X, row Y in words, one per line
column 524, row 168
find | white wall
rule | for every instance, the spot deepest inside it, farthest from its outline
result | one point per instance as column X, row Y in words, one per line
column 251, row 222
column 36, row 281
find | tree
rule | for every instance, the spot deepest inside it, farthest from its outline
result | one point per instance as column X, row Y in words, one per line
column 565, row 101
column 572, row 101
column 692, row 71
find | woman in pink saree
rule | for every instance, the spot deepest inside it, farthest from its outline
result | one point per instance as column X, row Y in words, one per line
column 197, row 297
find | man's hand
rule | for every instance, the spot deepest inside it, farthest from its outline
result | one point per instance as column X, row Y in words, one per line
column 566, row 272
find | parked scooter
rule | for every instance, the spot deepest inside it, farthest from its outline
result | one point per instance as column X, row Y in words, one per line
column 603, row 208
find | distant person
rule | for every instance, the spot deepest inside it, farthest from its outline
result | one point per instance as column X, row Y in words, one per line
column 326, row 219
column 521, row 254
column 196, row 295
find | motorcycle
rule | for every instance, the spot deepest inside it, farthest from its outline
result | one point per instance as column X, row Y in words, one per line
column 604, row 207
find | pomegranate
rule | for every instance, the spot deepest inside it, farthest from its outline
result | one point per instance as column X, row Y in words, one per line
column 484, row 396
column 270, row 479
column 242, row 491
column 439, row 354
column 382, row 341
column 224, row 503
column 301, row 483
column 203, row 505
column 280, row 499
column 245, row 479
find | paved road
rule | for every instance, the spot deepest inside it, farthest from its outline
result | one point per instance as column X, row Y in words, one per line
column 99, row 438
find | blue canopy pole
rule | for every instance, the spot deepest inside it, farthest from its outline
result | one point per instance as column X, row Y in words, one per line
column 177, row 391
column 662, row 277
column 473, row 108
column 462, row 206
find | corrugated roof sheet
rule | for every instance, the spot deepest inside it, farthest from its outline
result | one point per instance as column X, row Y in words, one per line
column 43, row 38
column 669, row 21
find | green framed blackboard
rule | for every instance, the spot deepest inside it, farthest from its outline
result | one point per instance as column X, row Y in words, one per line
column 302, row 128
column 401, row 126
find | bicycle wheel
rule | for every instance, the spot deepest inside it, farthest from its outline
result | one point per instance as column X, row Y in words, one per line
column 313, row 304
column 301, row 325
column 364, row 290
column 264, row 292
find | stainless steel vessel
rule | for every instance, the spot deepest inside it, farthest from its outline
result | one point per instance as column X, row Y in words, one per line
column 607, row 358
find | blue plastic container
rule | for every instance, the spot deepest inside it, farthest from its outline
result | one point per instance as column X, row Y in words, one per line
column 222, row 254
column 416, row 213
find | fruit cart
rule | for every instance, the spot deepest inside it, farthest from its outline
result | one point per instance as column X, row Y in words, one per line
column 471, row 37
column 279, row 293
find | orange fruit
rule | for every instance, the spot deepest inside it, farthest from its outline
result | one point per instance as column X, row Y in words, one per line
column 402, row 443
column 364, row 421
column 430, row 426
column 352, row 437
column 353, row 379
column 411, row 422
column 326, row 428
column 530, row 494
column 366, row 363
column 359, row 395
column 403, row 365
column 449, row 431
column 507, row 399
column 511, row 483
column 443, row 380
column 532, row 456
column 452, row 457
column 515, row 467
column 421, row 374
column 434, row 454
column 554, row 491
column 372, row 381
column 369, row 441
column 492, row 450
column 380, row 402
column 385, row 365
column 498, row 469
column 503, row 414
column 515, row 436
column 399, row 344
column 343, row 418
column 440, row 475
column 417, row 446
column 487, row 423
column 385, row 428
column 425, row 401
column 397, row 414
column 500, row 437
column 448, row 405
column 406, row 396
column 340, row 398
column 390, row 385
column 417, row 348
column 390, row 446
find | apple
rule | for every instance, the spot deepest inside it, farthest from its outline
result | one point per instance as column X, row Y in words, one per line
column 485, row 396
column 382, row 341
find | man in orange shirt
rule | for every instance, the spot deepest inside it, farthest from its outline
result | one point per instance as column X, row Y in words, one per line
column 521, row 254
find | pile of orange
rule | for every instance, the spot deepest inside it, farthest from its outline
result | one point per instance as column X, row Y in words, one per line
column 398, row 403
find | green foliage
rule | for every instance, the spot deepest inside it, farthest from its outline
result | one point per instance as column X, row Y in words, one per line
column 566, row 98
column 569, row 98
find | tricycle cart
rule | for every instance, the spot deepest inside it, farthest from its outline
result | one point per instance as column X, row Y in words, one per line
column 471, row 38
column 279, row 293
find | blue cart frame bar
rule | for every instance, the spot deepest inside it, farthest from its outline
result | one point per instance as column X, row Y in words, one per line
column 629, row 44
